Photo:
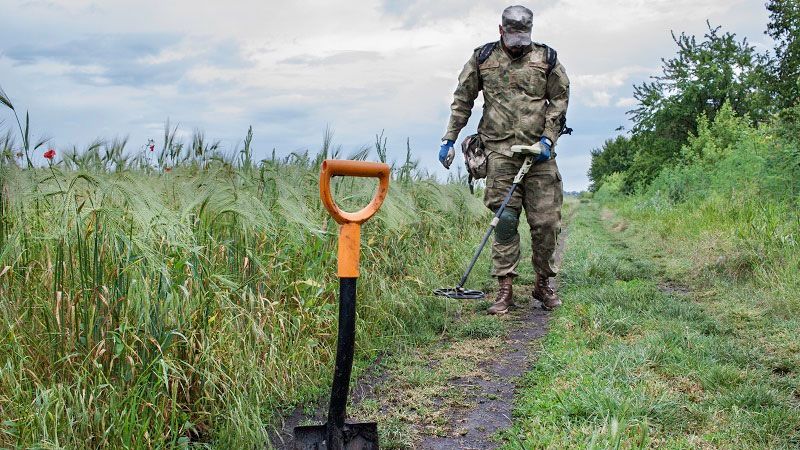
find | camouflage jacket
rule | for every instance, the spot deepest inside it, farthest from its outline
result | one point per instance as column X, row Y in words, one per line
column 521, row 102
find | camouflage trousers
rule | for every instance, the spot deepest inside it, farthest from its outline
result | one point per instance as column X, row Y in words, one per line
column 541, row 196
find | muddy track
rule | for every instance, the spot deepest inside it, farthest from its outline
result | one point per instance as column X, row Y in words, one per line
column 493, row 392
column 485, row 393
column 282, row 437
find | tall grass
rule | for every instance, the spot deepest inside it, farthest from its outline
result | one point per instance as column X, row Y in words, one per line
column 186, row 297
column 733, row 200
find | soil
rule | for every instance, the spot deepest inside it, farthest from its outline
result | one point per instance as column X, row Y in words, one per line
column 493, row 391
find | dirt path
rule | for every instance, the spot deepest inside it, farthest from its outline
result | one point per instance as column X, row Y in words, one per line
column 454, row 394
column 491, row 393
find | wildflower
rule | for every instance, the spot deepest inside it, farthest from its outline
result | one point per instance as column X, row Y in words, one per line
column 152, row 147
column 50, row 154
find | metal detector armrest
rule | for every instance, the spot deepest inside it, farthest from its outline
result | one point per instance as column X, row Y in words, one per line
column 527, row 150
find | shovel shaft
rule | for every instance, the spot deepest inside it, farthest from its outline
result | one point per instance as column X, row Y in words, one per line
column 349, row 253
column 345, row 345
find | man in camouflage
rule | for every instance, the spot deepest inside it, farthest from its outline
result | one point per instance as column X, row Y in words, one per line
column 525, row 93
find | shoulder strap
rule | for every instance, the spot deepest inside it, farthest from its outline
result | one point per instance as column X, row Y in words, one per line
column 481, row 58
column 486, row 50
column 550, row 56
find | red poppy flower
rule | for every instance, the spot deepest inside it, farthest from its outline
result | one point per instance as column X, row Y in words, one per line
column 50, row 154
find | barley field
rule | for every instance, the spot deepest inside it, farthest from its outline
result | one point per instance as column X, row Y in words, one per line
column 178, row 296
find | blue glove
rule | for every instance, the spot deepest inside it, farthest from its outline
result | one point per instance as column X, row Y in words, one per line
column 546, row 145
column 447, row 153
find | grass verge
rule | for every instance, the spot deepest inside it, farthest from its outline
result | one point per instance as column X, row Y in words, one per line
column 648, row 351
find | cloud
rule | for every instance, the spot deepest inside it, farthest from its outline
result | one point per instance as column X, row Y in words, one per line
column 61, row 5
column 94, row 48
column 599, row 98
column 346, row 57
column 132, row 59
column 599, row 89
column 420, row 13
column 101, row 60
column 282, row 114
column 626, row 102
column 87, row 68
column 627, row 15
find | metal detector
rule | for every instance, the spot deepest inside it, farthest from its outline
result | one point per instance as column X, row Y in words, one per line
column 530, row 152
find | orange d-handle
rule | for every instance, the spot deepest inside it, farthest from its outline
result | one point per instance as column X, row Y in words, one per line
column 350, row 231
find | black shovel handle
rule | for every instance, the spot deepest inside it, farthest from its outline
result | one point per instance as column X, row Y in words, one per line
column 345, row 346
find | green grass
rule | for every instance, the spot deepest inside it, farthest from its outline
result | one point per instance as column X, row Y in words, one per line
column 481, row 327
column 633, row 362
column 189, row 300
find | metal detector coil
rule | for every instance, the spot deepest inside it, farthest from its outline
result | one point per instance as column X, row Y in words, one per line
column 460, row 293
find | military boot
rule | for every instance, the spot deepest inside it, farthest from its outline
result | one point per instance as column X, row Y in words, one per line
column 545, row 294
column 505, row 297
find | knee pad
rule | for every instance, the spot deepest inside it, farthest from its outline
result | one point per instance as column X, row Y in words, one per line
column 506, row 230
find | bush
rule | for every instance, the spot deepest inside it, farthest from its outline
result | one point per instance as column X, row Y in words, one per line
column 612, row 187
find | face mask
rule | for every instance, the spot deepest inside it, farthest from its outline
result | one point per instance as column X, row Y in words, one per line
column 514, row 50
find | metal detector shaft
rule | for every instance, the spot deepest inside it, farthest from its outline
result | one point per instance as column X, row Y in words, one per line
column 526, row 165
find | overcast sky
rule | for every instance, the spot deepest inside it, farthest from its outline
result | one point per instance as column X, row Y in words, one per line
column 89, row 69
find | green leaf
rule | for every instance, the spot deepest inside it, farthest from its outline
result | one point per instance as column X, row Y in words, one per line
column 25, row 140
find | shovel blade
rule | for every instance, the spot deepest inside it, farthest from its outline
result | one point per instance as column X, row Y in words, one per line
column 357, row 436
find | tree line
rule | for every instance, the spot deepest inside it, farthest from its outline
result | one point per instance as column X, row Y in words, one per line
column 708, row 74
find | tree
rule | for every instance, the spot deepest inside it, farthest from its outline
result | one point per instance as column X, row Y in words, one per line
column 784, row 28
column 615, row 156
column 698, row 80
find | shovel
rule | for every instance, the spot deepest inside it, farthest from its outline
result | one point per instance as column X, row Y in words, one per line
column 336, row 434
